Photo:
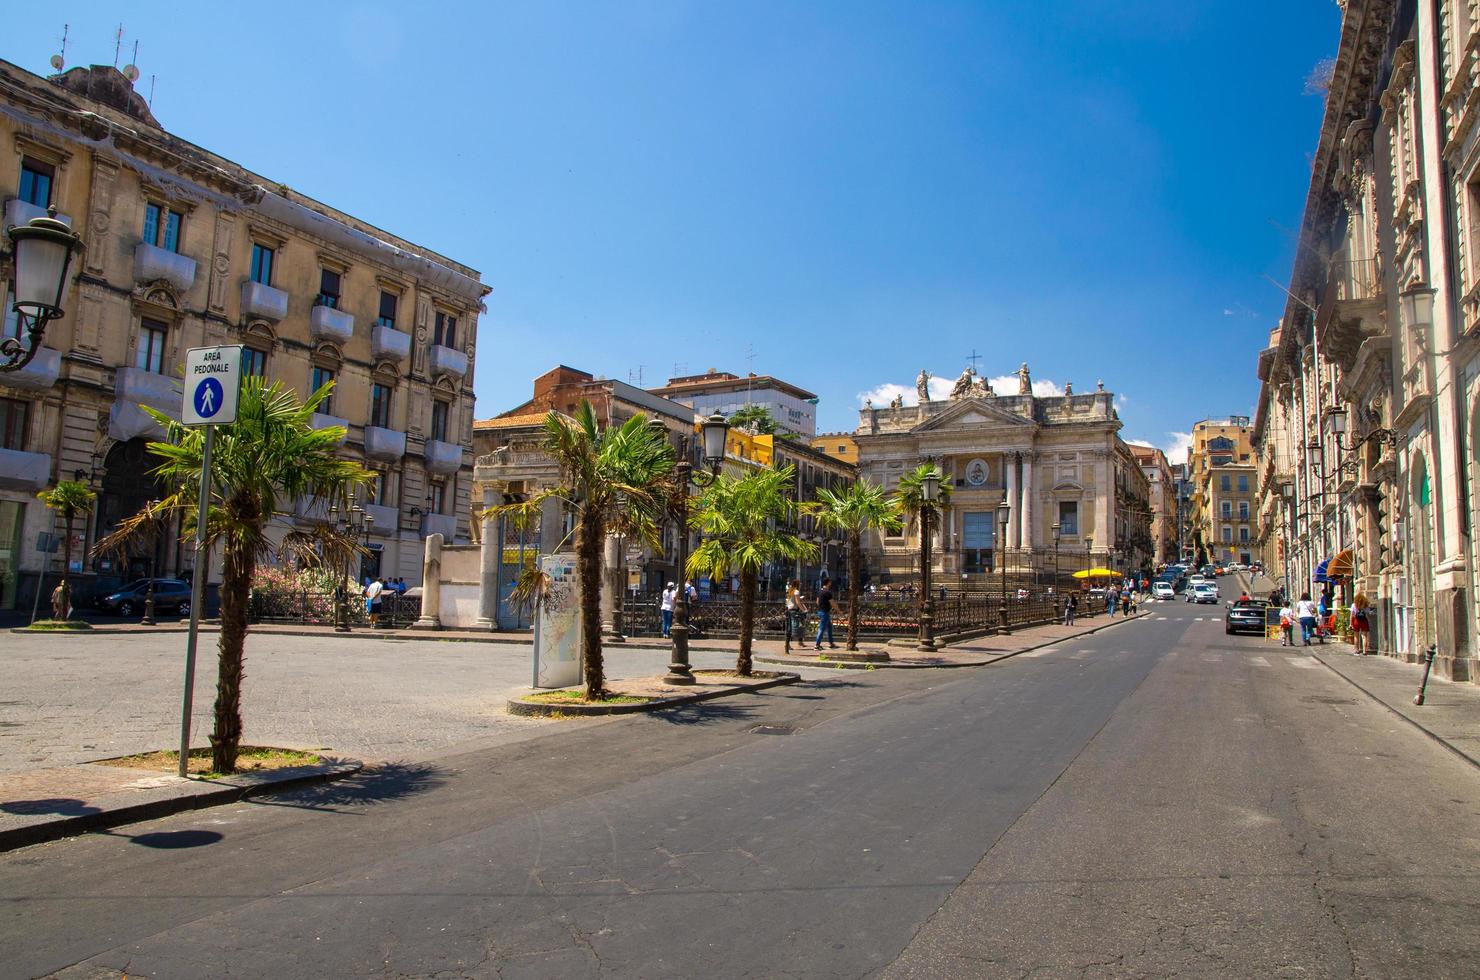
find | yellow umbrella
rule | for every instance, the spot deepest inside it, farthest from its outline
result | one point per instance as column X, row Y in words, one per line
column 1096, row 573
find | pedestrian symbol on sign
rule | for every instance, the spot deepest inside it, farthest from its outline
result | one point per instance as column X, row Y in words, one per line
column 208, row 398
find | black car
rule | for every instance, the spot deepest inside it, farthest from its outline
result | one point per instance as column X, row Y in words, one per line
column 171, row 595
column 1245, row 616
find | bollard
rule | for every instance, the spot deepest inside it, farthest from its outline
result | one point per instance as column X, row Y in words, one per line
column 1428, row 665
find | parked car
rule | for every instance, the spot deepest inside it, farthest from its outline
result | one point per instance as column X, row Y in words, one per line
column 1245, row 616
column 1205, row 593
column 1163, row 590
column 171, row 595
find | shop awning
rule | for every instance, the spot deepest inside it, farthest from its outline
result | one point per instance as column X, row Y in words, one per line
column 1340, row 566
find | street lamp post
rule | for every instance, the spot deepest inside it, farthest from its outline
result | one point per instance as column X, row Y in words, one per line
column 715, row 431
column 1057, row 531
column 1089, row 563
column 43, row 249
column 929, row 492
column 353, row 524
column 148, row 619
column 1004, row 511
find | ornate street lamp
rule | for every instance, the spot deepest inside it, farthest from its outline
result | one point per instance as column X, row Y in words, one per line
column 353, row 524
column 929, row 493
column 43, row 249
column 148, row 619
column 714, row 432
column 1004, row 511
column 1057, row 531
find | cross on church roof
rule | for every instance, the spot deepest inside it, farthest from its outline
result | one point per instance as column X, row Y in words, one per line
column 973, row 359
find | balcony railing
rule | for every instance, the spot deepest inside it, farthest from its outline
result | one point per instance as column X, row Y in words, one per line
column 1356, row 279
column 261, row 300
column 442, row 457
column 445, row 360
column 40, row 374
column 327, row 323
column 24, row 471
column 384, row 444
column 18, row 212
column 388, row 343
column 152, row 262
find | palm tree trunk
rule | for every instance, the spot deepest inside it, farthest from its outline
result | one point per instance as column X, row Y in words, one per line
column 238, row 566
column 855, row 572
column 589, row 555
column 66, row 610
column 747, row 620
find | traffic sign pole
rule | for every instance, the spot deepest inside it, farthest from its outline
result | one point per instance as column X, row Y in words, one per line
column 197, row 594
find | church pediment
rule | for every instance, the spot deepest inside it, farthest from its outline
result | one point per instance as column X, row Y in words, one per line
column 972, row 412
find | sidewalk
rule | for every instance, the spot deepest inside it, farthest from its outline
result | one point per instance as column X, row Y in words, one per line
column 970, row 653
column 1450, row 714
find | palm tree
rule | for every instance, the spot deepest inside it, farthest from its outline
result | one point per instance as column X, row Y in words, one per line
column 739, row 519
column 69, row 498
column 613, row 480
column 861, row 507
column 910, row 497
column 261, row 466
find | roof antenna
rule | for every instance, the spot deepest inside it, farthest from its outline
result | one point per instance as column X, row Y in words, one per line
column 59, row 60
column 117, row 43
column 131, row 70
column 151, row 90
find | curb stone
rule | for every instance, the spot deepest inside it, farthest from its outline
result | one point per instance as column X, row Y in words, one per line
column 530, row 709
column 226, row 792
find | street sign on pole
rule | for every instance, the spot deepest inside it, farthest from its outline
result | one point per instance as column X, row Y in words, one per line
column 212, row 382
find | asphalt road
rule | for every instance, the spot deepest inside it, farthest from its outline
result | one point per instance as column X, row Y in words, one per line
column 1154, row 799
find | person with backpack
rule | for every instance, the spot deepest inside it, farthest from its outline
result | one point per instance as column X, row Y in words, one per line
column 1361, row 624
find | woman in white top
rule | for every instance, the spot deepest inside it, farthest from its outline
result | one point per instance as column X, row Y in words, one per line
column 796, row 608
column 1305, row 611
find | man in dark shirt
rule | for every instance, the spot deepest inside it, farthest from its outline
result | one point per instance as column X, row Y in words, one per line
column 824, row 614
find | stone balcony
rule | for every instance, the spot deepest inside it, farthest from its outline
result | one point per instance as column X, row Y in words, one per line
column 307, row 510
column 320, row 420
column 18, row 212
column 327, row 323
column 1353, row 309
column 384, row 444
column 388, row 343
column 38, row 375
column 443, row 524
column 259, row 300
column 24, row 471
column 152, row 262
column 445, row 360
column 442, row 457
column 134, row 388
column 385, row 521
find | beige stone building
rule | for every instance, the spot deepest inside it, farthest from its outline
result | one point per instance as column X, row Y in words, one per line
column 1163, row 501
column 1222, row 466
column 185, row 249
column 1055, row 460
column 1371, row 385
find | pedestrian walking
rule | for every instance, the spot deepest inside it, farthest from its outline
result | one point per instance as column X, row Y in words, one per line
column 796, row 612
column 1305, row 612
column 824, row 614
column 372, row 599
column 1361, row 626
column 665, row 607
column 1287, row 626
column 1071, row 606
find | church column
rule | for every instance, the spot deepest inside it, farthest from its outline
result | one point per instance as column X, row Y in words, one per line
column 1009, row 477
column 1027, row 489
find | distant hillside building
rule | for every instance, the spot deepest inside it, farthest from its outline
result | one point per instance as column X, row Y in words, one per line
column 793, row 408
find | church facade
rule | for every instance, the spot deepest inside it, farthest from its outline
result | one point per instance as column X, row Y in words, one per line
column 1055, row 460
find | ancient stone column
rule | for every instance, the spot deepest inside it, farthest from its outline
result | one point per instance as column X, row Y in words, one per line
column 431, row 586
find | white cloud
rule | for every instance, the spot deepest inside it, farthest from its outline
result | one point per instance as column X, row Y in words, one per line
column 1177, row 448
column 1140, row 442
column 941, row 387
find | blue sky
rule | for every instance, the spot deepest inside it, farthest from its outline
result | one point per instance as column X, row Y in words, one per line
column 836, row 193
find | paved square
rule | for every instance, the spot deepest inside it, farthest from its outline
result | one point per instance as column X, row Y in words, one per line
column 71, row 699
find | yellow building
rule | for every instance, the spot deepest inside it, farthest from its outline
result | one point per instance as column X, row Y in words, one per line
column 1223, row 469
column 185, row 248
column 838, row 445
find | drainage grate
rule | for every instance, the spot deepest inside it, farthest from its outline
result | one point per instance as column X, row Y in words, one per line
column 773, row 730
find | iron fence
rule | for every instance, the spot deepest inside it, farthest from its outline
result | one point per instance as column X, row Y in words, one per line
column 317, row 608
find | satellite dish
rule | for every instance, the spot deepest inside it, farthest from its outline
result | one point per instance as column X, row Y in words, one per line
column 131, row 73
column 57, row 62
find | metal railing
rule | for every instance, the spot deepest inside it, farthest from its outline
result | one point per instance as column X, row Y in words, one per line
column 306, row 608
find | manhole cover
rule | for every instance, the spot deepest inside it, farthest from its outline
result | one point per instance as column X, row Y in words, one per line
column 773, row 730
column 1324, row 699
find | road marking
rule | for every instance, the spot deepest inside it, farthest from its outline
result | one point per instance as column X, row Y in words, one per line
column 1212, row 658
column 1259, row 661
column 1302, row 662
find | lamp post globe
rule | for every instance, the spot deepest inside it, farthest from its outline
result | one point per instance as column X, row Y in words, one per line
column 43, row 249
column 929, row 493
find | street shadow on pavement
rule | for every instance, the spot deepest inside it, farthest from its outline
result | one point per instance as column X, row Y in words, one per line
column 705, row 713
column 62, row 806
column 175, row 839
column 383, row 783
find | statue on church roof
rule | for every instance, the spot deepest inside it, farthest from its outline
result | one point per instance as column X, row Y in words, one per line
column 897, row 401
column 1068, row 388
column 922, row 386
column 981, row 387
column 1099, row 386
column 963, row 385
column 1025, row 381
